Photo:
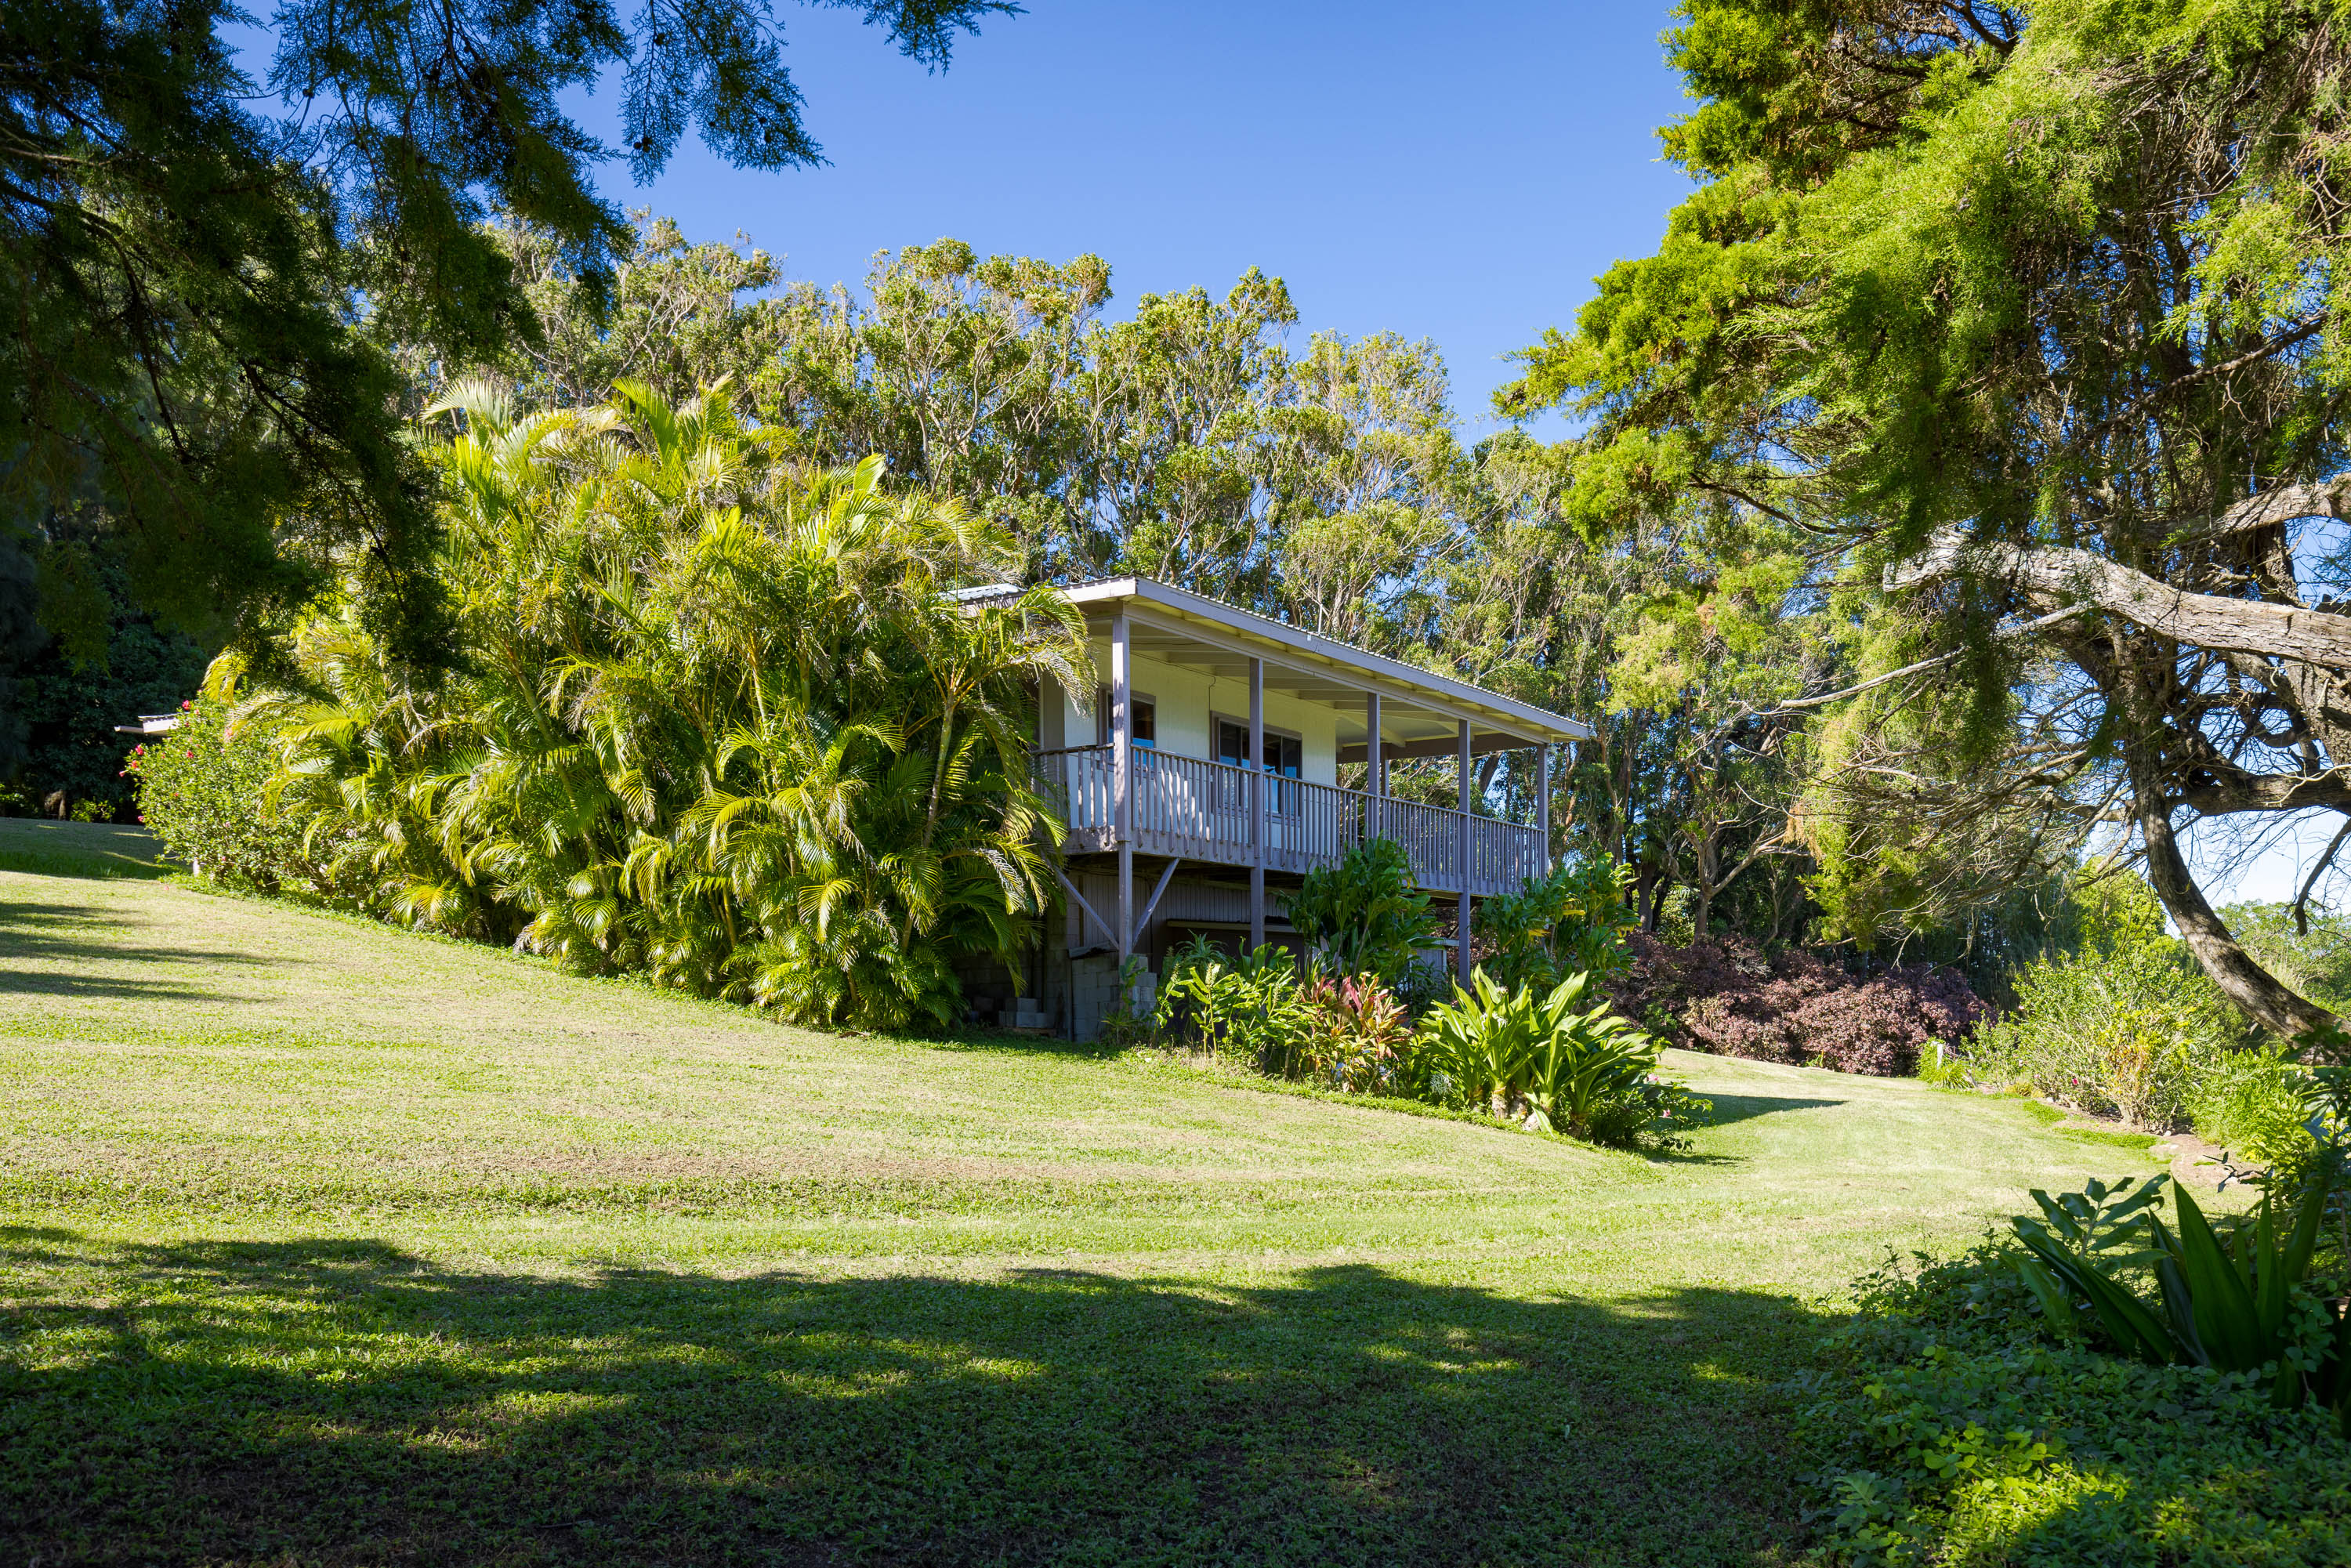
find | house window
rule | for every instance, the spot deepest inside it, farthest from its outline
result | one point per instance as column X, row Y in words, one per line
column 1145, row 717
column 1284, row 755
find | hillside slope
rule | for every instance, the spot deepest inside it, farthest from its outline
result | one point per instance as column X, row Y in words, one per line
column 330, row 1242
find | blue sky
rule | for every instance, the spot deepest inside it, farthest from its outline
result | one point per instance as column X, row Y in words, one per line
column 1458, row 173
column 1451, row 172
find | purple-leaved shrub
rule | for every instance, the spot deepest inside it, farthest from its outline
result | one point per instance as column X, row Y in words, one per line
column 1725, row 995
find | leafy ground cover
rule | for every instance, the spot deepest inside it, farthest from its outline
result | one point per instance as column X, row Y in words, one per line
column 328, row 1243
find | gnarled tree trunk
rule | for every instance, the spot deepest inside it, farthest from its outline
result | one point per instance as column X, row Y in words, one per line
column 2254, row 989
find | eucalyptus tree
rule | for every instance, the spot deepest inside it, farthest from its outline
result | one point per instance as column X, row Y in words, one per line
column 676, row 316
column 1370, row 489
column 1185, row 441
column 958, row 370
column 2028, row 314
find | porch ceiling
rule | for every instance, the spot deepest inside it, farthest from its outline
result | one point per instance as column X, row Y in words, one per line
column 1419, row 710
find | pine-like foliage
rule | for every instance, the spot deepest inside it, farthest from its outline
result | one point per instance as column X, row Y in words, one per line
column 204, row 252
column 715, row 719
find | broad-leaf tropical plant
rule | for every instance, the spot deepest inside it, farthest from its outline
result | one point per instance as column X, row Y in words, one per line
column 2237, row 1304
column 1570, row 922
column 1250, row 1006
column 1562, row 1056
column 1364, row 915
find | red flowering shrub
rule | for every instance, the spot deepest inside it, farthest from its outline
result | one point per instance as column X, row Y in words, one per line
column 1724, row 995
column 206, row 797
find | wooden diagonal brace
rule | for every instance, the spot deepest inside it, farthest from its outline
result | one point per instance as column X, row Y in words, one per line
column 1072, row 889
column 1143, row 924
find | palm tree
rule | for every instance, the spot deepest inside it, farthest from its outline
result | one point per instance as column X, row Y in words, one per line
column 712, row 719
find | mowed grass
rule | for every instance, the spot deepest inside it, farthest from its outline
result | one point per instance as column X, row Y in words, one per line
column 79, row 848
column 330, row 1244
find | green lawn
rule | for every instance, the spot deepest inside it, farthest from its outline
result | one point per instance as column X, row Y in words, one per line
column 78, row 848
column 330, row 1244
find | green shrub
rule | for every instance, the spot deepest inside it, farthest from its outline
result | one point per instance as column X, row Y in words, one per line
column 2128, row 1029
column 1350, row 1034
column 1125, row 1024
column 1561, row 1061
column 1364, row 915
column 1573, row 921
column 204, row 792
column 2104, row 1388
column 2252, row 1102
column 1423, row 984
column 1252, row 1008
column 1941, row 1066
column 2241, row 1303
column 57, row 712
column 1943, row 1425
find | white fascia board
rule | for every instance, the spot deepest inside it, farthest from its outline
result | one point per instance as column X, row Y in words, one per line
column 1409, row 680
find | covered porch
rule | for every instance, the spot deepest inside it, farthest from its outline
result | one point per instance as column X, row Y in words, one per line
column 1216, row 743
column 1189, row 809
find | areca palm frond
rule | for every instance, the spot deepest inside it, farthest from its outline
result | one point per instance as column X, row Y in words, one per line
column 712, row 718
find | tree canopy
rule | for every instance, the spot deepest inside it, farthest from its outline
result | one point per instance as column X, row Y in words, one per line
column 2026, row 319
column 195, row 377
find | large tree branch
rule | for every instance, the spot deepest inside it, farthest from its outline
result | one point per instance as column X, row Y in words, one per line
column 2230, row 791
column 2319, row 700
column 1797, row 704
column 2302, row 899
column 2284, row 505
column 2196, row 771
column 2054, row 573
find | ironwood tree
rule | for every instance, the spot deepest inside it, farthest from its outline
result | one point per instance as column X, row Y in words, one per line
column 2027, row 317
column 193, row 369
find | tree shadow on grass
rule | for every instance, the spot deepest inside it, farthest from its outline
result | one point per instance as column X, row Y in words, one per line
column 82, row 935
column 87, row 850
column 1011, row 1043
column 84, row 867
column 1730, row 1108
column 341, row 1401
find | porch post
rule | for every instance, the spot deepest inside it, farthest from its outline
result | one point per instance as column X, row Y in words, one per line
column 1373, row 753
column 1542, row 800
column 1461, row 921
column 1122, row 763
column 1255, row 763
column 1051, row 732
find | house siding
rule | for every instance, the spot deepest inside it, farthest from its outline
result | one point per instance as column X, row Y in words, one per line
column 1184, row 704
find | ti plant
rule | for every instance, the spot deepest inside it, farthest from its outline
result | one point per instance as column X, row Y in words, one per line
column 2239, row 1304
column 1251, row 1006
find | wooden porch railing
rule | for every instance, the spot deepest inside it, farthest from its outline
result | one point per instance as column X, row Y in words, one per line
column 1200, row 811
